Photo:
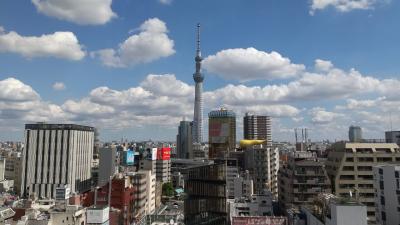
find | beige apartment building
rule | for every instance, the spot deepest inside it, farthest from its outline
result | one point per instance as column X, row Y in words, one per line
column 349, row 167
column 301, row 179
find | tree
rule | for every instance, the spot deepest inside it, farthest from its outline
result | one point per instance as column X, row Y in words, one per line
column 168, row 189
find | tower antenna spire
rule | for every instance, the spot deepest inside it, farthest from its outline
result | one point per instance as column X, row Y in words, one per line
column 198, row 52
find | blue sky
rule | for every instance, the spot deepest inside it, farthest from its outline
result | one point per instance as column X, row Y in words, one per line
column 105, row 83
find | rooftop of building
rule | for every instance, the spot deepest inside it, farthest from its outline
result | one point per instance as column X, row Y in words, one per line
column 51, row 126
column 374, row 146
column 221, row 113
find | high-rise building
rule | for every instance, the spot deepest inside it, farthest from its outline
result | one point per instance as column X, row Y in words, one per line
column 184, row 140
column 206, row 201
column 387, row 198
column 159, row 165
column 392, row 137
column 56, row 155
column 198, row 98
column 349, row 166
column 256, row 127
column 355, row 134
column 221, row 132
column 108, row 165
column 262, row 161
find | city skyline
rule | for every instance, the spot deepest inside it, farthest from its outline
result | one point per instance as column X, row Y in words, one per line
column 298, row 70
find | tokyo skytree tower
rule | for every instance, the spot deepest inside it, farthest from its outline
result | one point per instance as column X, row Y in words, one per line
column 198, row 99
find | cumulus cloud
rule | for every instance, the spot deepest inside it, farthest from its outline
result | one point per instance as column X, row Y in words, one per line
column 59, row 86
column 251, row 64
column 150, row 44
column 84, row 12
column 161, row 101
column 323, row 65
column 321, row 116
column 344, row 5
column 12, row 89
column 64, row 45
column 20, row 103
column 167, row 84
column 331, row 84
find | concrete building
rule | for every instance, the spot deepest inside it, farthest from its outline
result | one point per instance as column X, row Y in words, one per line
column 184, row 140
column 387, row 194
column 392, row 137
column 232, row 172
column 329, row 210
column 262, row 161
column 13, row 170
column 71, row 214
column 139, row 181
column 243, row 185
column 206, row 195
column 349, row 166
column 123, row 196
column 160, row 165
column 257, row 127
column 200, row 151
column 221, row 132
column 98, row 215
column 56, row 155
column 108, row 166
column 355, row 134
column 303, row 177
column 150, row 205
column 255, row 205
column 2, row 168
column 163, row 170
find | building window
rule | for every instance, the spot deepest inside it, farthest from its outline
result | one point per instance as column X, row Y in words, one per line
column 396, row 174
column 381, row 186
column 349, row 159
column 382, row 200
column 383, row 214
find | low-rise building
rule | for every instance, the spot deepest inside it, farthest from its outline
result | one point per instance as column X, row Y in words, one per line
column 255, row 205
column 330, row 210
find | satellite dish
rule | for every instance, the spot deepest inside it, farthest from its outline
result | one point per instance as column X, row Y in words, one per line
column 171, row 221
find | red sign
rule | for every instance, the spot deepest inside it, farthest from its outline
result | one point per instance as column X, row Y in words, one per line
column 164, row 154
column 258, row 220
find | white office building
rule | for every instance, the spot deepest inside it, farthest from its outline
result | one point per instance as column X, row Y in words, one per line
column 387, row 194
column 56, row 155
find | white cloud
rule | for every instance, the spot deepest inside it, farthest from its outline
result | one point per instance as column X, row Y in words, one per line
column 84, row 12
column 59, row 86
column 63, row 45
column 251, row 64
column 321, row 116
column 332, row 84
column 12, row 89
column 19, row 103
column 86, row 107
column 165, row 2
column 323, row 65
column 161, row 101
column 149, row 45
column 167, row 84
column 360, row 104
column 344, row 5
